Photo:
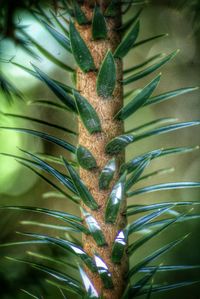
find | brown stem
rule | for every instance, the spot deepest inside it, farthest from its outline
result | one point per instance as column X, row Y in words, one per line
column 106, row 109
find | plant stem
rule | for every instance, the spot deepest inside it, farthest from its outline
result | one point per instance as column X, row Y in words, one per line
column 106, row 109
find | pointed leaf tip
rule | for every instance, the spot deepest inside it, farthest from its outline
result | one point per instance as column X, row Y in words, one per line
column 115, row 200
column 80, row 50
column 111, row 9
column 57, row 89
column 91, row 291
column 150, row 69
column 119, row 247
column 85, row 158
column 83, row 191
column 139, row 100
column 79, row 14
column 99, row 27
column 60, row 142
column 164, row 186
column 94, row 228
column 117, row 144
column 107, row 174
column 59, row 37
column 169, row 95
column 137, row 173
column 87, row 113
column 106, row 79
column 128, row 41
column 103, row 271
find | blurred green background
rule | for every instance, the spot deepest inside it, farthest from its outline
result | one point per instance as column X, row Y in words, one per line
column 19, row 186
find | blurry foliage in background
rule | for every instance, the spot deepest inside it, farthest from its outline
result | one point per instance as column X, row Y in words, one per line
column 192, row 8
column 8, row 9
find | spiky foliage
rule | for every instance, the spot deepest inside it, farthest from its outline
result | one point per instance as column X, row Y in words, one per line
column 105, row 181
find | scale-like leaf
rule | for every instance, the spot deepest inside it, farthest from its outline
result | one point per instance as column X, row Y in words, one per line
column 149, row 69
column 133, row 163
column 85, row 158
column 87, row 114
column 94, row 228
column 168, row 286
column 69, row 281
column 119, row 143
column 64, row 216
column 61, row 286
column 91, row 291
column 115, row 200
column 48, row 168
column 163, row 187
column 103, row 271
column 40, row 11
column 107, row 174
column 169, row 95
column 126, row 25
column 59, row 23
column 62, row 228
column 144, row 63
column 25, row 46
column 118, row 248
column 73, row 220
column 158, row 223
column 142, row 221
column 133, row 247
column 161, row 171
column 133, row 291
column 154, row 255
column 67, row 88
column 79, row 14
column 136, row 209
column 52, row 260
column 106, row 79
column 137, row 173
column 54, row 159
column 82, row 190
column 60, row 192
column 49, row 104
column 26, row 162
column 80, row 50
column 9, row 89
column 68, row 8
column 170, row 268
column 50, row 138
column 40, row 121
column 69, row 246
column 144, row 41
column 128, row 41
column 139, row 100
column 59, row 37
column 156, row 122
column 48, row 54
column 57, row 90
column 99, row 27
column 111, row 9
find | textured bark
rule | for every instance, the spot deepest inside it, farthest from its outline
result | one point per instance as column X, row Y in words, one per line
column 106, row 109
